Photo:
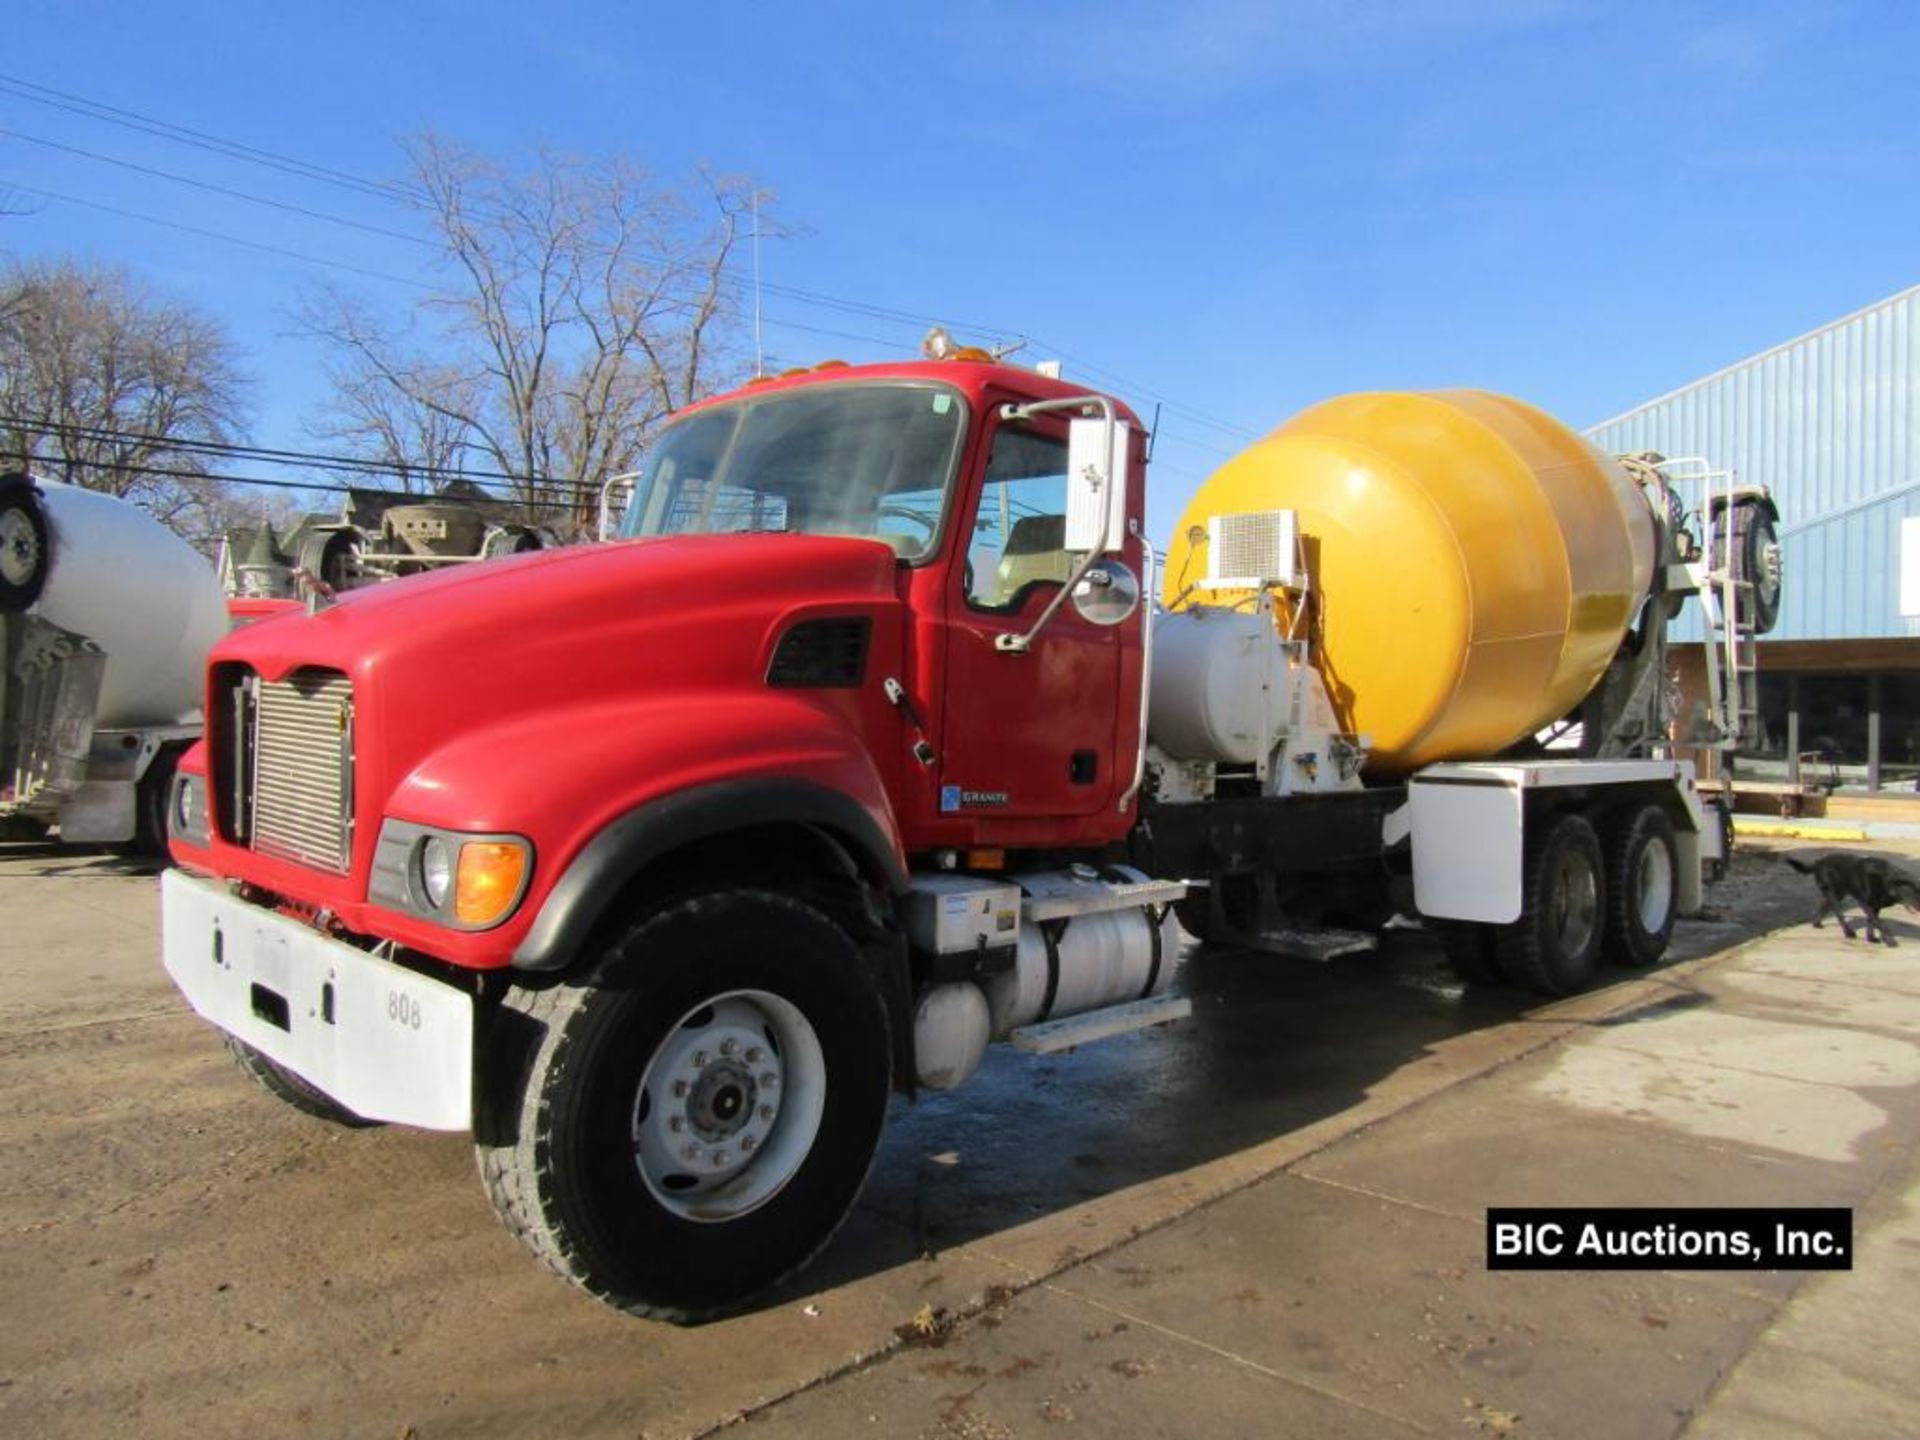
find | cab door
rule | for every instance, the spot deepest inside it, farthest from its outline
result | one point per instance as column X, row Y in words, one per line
column 1029, row 735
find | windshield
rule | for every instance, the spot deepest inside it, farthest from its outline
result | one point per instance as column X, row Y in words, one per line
column 868, row 460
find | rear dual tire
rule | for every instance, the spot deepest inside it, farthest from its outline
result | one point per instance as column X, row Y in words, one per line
column 1643, row 887
column 1554, row 947
column 1583, row 898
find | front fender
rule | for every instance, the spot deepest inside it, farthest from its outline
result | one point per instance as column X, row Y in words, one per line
column 628, row 782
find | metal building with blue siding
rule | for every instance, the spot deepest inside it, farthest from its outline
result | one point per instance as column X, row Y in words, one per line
column 1830, row 422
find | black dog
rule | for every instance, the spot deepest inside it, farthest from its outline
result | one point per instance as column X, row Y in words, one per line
column 1872, row 881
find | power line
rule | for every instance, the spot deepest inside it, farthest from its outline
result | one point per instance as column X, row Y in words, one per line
column 166, row 130
column 207, row 234
column 732, row 312
column 120, row 467
column 554, row 488
column 267, row 453
column 98, row 110
column 207, row 185
column 550, row 495
column 1177, row 438
column 200, row 139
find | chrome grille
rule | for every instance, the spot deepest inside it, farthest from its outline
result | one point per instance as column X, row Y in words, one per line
column 302, row 782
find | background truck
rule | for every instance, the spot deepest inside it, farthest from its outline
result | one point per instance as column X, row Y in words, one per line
column 659, row 864
column 106, row 618
column 378, row 535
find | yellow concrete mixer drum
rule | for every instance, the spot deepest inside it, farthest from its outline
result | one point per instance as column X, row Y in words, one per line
column 1474, row 564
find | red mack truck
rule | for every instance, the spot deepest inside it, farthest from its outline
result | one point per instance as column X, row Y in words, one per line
column 660, row 865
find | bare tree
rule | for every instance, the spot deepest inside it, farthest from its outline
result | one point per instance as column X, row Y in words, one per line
column 582, row 303
column 106, row 386
column 417, row 431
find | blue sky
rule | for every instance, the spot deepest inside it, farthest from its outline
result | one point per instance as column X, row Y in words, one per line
column 1237, row 208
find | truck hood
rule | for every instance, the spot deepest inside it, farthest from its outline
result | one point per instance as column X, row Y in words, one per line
column 567, row 598
column 440, row 654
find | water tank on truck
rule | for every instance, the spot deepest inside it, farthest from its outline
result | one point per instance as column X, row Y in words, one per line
column 108, row 617
column 1474, row 566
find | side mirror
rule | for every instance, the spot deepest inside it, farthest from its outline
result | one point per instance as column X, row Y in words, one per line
column 1096, row 485
column 612, row 512
column 1107, row 594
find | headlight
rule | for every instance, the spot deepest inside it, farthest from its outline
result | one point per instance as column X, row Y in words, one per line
column 466, row 882
column 436, row 871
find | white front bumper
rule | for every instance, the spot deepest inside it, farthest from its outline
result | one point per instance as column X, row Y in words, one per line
column 386, row 1042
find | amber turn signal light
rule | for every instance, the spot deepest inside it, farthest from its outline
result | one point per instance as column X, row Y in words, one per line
column 488, row 882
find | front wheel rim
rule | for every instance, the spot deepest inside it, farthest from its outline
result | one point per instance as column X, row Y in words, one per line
column 728, row 1106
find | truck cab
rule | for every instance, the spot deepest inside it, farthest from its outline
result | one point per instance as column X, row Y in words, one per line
column 705, row 793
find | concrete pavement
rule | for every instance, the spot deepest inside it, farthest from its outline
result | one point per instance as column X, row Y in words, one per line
column 1264, row 1221
column 1346, row 1294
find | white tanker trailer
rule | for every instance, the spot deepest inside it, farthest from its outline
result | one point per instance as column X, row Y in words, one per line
column 106, row 618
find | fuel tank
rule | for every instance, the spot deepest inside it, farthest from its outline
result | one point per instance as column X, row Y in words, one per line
column 1474, row 563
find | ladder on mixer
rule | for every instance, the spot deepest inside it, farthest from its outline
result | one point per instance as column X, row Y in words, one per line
column 1733, row 683
column 1727, row 606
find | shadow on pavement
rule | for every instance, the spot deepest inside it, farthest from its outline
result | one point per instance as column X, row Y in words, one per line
column 1273, row 1046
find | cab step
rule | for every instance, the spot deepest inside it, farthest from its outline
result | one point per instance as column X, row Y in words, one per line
column 1050, row 1037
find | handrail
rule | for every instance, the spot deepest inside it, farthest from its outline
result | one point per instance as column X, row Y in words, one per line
column 1149, row 562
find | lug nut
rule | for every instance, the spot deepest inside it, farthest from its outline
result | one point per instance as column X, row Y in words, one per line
column 747, row 1142
column 768, row 1080
column 679, row 1089
column 719, row 1159
column 753, row 1055
column 766, row 1112
column 700, row 1058
column 727, row 1047
column 676, row 1124
column 692, row 1152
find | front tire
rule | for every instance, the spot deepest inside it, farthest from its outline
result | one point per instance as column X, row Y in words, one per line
column 1643, row 887
column 641, row 1152
column 290, row 1089
column 1554, row 947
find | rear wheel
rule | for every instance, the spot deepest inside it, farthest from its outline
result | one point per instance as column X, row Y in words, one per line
column 1643, row 886
column 1722, row 816
column 510, row 540
column 693, row 1131
column 331, row 557
column 151, row 797
column 290, row 1089
column 1554, row 947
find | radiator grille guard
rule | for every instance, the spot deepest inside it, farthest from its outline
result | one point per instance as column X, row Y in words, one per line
column 300, row 776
